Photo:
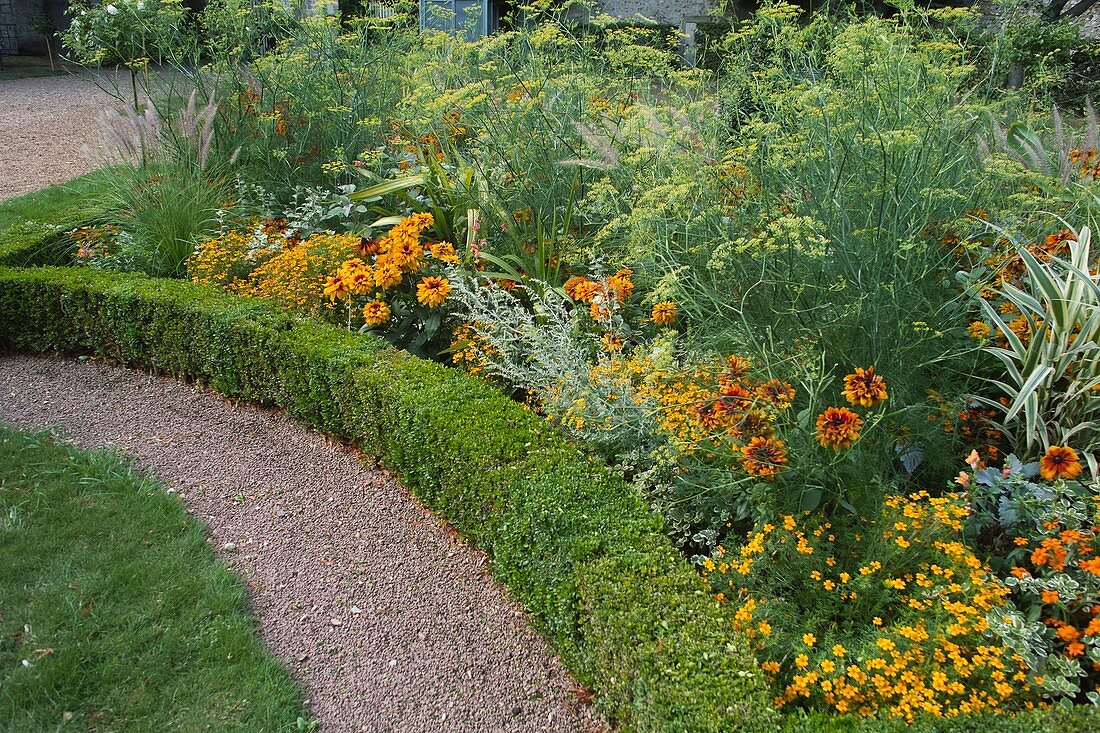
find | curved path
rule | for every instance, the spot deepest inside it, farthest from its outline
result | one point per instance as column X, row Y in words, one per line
column 389, row 622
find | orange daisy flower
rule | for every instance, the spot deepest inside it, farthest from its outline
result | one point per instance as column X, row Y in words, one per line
column 763, row 457
column 1060, row 462
column 838, row 427
column 665, row 313
column 432, row 291
column 376, row 312
column 864, row 387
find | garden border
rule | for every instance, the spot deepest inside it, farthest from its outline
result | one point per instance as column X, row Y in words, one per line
column 576, row 545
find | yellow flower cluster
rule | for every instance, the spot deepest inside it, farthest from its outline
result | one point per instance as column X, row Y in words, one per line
column 470, row 351
column 267, row 263
column 905, row 633
column 295, row 276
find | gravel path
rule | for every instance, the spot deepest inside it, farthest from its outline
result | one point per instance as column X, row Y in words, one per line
column 46, row 126
column 386, row 618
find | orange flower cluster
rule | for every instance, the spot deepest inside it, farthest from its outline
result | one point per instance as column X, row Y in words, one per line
column 1087, row 161
column 602, row 296
column 839, row 427
column 1058, row 578
column 399, row 254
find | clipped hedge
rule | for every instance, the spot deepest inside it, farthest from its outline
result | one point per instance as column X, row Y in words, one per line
column 574, row 543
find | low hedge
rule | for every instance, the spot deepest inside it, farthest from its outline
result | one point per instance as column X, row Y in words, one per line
column 574, row 543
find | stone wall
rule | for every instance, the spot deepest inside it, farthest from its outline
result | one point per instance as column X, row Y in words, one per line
column 27, row 14
column 674, row 13
column 1090, row 22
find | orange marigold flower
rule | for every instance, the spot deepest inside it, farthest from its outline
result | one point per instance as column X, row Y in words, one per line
column 665, row 313
column 444, row 252
column 864, row 387
column 1060, row 462
column 738, row 366
column 432, row 291
column 387, row 274
column 1049, row 596
column 581, row 289
column 611, row 342
column 838, row 427
column 770, row 667
column 1068, row 634
column 763, row 457
column 620, row 285
column 376, row 312
column 1091, row 566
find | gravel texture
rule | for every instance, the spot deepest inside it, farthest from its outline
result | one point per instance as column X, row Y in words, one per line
column 387, row 619
column 49, row 130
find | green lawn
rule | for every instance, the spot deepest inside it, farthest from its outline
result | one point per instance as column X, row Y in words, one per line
column 114, row 613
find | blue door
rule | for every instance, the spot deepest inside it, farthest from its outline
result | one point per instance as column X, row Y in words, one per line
column 474, row 17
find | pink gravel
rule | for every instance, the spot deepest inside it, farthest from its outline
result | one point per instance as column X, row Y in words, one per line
column 49, row 130
column 386, row 618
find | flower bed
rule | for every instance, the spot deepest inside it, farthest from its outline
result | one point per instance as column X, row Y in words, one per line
column 574, row 543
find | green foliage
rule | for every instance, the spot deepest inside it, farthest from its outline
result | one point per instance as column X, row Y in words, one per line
column 162, row 212
column 1051, row 361
column 128, row 31
column 112, row 594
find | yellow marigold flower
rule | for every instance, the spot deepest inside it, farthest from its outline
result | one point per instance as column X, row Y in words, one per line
column 864, row 387
column 765, row 628
column 801, row 661
column 763, row 457
column 838, row 427
column 839, row 650
column 335, row 287
column 376, row 312
column 1060, row 462
column 886, row 644
column 665, row 313
column 432, row 291
column 444, row 252
column 387, row 274
column 979, row 330
column 829, row 585
column 611, row 342
column 809, row 639
column 876, row 621
column 828, row 666
column 789, row 523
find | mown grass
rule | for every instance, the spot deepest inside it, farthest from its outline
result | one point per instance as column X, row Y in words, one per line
column 114, row 613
